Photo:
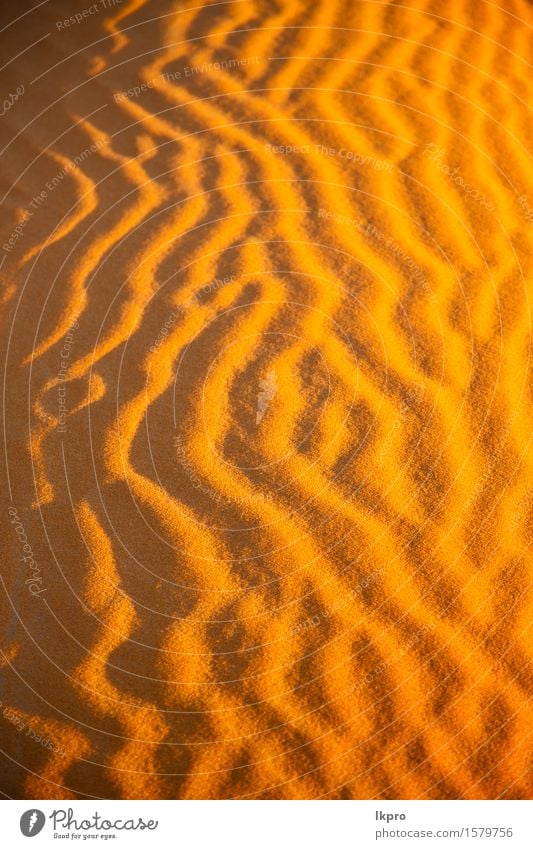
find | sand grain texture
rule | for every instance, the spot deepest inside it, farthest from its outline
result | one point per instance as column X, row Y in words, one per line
column 266, row 330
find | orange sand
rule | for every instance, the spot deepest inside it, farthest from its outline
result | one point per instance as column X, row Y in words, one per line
column 266, row 346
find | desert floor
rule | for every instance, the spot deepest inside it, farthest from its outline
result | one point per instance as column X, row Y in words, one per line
column 265, row 279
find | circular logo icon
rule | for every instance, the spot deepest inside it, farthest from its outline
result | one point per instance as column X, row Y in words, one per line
column 32, row 822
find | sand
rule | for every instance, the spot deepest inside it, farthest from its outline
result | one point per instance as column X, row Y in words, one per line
column 266, row 323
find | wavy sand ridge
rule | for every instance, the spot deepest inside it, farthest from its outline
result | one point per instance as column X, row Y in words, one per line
column 268, row 408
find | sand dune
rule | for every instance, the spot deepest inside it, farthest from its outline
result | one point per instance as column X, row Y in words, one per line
column 266, row 337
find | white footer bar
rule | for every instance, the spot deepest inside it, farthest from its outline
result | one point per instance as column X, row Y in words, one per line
column 269, row 824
